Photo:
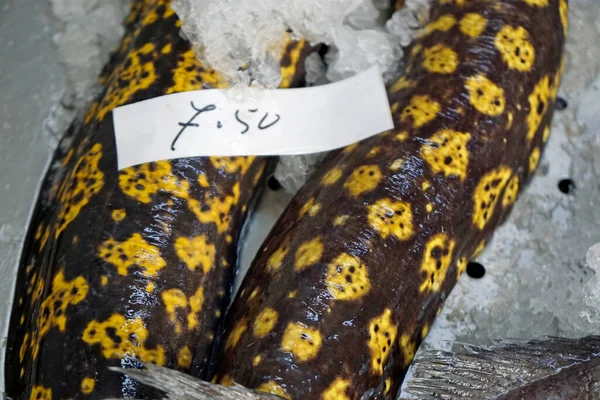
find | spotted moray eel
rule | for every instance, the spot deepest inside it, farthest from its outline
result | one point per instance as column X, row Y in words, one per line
column 132, row 263
column 350, row 279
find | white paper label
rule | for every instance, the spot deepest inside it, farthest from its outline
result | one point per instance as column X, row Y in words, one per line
column 273, row 122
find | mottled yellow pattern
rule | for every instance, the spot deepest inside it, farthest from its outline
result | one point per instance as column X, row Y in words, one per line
column 363, row 179
column 487, row 194
column 84, row 181
column 516, row 49
column 300, row 340
column 214, row 210
column 446, row 152
column 134, row 251
column 119, row 337
column 487, row 97
column 511, row 191
column 138, row 75
column 347, row 278
column 436, row 260
column 422, row 109
column 119, row 214
column 310, row 207
column 538, row 105
column 308, row 253
column 288, row 72
column 265, row 322
column 196, row 251
column 461, row 266
column 190, row 75
column 473, row 24
column 440, row 59
column 337, row 390
column 232, row 165
column 54, row 307
column 390, row 217
column 275, row 260
column 143, row 181
column 382, row 333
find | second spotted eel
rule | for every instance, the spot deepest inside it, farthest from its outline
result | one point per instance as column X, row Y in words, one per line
column 137, row 263
column 350, row 279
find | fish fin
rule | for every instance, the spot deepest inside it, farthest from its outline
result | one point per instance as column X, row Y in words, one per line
column 181, row 386
column 485, row 372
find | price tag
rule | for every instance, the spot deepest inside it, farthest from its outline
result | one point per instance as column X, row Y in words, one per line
column 270, row 122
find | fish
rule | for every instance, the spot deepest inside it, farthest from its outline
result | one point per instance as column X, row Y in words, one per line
column 548, row 368
column 351, row 277
column 545, row 368
column 137, row 265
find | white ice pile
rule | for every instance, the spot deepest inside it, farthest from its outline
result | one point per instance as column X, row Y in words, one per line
column 592, row 288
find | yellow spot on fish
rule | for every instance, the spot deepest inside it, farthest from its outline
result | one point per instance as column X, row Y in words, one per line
column 167, row 49
column 118, row 215
column 401, row 137
column 537, row 3
column 382, row 333
column 134, row 251
column 203, row 181
column 184, row 357
column 534, row 159
column 422, row 109
column 150, row 287
column 195, row 252
column 436, row 260
column 402, row 83
column 331, row 176
column 487, row 194
column 256, row 361
column 424, row 331
column 300, row 340
column 510, row 194
column 309, row 208
column 516, row 49
column 103, row 280
column 144, row 181
column 337, row 390
column 132, row 335
column 214, row 210
column 308, row 253
column 443, row 23
column 446, row 152
column 546, row 134
column 429, row 207
column 275, row 260
column 232, row 165
column 363, row 179
column 390, row 217
column 288, row 71
column 396, row 164
column 273, row 388
column 473, row 24
column 236, row 334
column 563, row 9
column 440, row 59
column 425, row 185
column 340, row 220
column 292, row 294
column 83, row 182
column 538, row 105
column 479, row 248
column 87, row 385
column 226, row 380
column 374, row 151
column 485, row 96
column 265, row 322
column 40, row 393
column 347, row 278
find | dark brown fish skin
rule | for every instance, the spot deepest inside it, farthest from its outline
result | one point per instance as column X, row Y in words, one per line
column 133, row 263
column 353, row 274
